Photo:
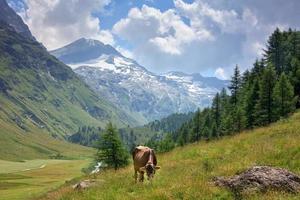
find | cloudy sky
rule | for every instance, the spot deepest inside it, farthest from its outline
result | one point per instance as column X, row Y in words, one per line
column 194, row 36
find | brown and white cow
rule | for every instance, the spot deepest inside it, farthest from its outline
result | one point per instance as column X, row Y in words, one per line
column 144, row 160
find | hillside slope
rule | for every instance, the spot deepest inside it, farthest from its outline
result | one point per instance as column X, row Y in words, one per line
column 187, row 172
column 41, row 95
column 9, row 16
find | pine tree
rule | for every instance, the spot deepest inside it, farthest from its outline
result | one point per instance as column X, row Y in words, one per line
column 251, row 100
column 184, row 136
column 214, row 131
column 197, row 126
column 295, row 77
column 238, row 118
column 264, row 110
column 166, row 144
column 257, row 69
column 283, row 96
column 225, row 110
column 227, row 125
column 207, row 123
column 111, row 150
column 274, row 52
column 235, row 85
column 216, row 112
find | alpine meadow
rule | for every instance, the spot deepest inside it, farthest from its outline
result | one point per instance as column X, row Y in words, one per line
column 174, row 99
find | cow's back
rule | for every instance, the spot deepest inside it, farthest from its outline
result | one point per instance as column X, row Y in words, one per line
column 140, row 156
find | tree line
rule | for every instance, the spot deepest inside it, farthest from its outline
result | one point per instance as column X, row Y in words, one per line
column 257, row 97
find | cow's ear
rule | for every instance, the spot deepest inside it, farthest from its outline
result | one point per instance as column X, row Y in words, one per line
column 142, row 169
column 157, row 167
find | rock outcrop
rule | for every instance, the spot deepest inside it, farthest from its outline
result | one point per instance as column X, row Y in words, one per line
column 84, row 184
column 261, row 178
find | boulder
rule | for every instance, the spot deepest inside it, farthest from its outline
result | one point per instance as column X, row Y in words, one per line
column 261, row 178
column 84, row 184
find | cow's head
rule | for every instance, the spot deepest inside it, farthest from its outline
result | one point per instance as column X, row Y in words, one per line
column 150, row 170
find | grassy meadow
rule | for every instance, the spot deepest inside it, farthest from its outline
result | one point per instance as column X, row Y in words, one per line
column 187, row 172
column 32, row 178
column 19, row 145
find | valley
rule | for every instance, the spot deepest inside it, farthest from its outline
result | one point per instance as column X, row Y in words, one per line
column 32, row 178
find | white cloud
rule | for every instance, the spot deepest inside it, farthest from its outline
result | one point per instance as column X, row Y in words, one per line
column 164, row 30
column 220, row 73
column 190, row 35
column 58, row 22
column 229, row 21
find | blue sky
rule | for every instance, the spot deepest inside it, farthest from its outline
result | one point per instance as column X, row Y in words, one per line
column 193, row 36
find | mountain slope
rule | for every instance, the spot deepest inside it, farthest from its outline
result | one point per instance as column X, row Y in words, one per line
column 187, row 172
column 133, row 88
column 39, row 94
column 9, row 16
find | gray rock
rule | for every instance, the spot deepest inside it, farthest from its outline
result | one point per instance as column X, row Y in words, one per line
column 84, row 184
column 261, row 178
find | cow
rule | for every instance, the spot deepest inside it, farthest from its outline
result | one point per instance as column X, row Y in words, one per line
column 144, row 160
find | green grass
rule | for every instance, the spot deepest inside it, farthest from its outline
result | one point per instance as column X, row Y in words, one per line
column 17, row 184
column 187, row 172
column 19, row 145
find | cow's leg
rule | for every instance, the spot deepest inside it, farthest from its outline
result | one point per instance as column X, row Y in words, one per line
column 135, row 175
column 141, row 176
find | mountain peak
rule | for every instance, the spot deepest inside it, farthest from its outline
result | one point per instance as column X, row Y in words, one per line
column 10, row 17
column 89, row 42
column 84, row 49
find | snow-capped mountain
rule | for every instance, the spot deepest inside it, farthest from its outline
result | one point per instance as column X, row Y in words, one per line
column 83, row 50
column 141, row 93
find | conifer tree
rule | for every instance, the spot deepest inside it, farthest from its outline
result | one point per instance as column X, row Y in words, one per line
column 258, row 67
column 111, row 150
column 184, row 135
column 251, row 100
column 225, row 110
column 238, row 119
column 197, row 126
column 265, row 106
column 274, row 54
column 295, row 76
column 214, row 131
column 216, row 110
column 283, row 96
column 235, row 85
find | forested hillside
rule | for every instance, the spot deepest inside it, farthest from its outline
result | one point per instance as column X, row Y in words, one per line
column 269, row 91
column 132, row 136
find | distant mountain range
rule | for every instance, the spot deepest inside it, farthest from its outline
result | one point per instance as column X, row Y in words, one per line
column 144, row 95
